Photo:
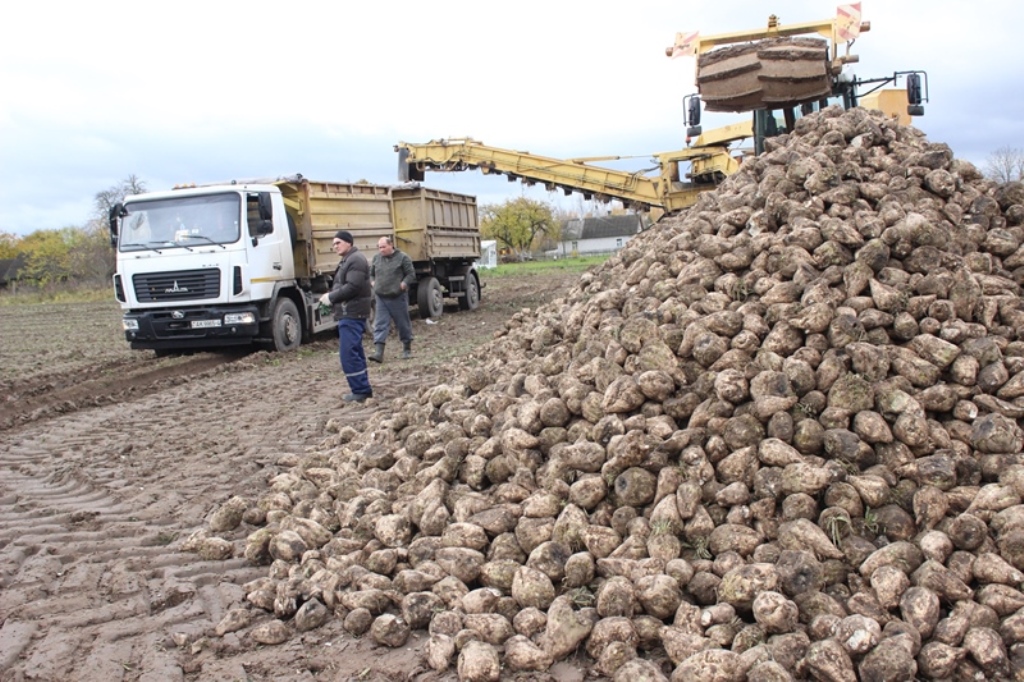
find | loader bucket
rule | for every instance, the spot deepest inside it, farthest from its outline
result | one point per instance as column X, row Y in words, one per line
column 765, row 74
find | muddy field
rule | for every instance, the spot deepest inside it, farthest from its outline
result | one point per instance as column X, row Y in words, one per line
column 110, row 458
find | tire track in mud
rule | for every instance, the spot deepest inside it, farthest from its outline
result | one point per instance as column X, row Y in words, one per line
column 99, row 384
column 97, row 499
column 95, row 505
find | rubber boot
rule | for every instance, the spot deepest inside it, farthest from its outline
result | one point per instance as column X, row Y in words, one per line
column 378, row 353
column 406, row 350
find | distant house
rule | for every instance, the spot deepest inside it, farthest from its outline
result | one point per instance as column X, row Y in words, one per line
column 592, row 236
column 9, row 270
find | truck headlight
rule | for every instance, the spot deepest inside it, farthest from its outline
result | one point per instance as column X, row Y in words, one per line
column 130, row 325
column 240, row 318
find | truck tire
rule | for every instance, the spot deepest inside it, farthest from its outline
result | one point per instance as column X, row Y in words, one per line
column 472, row 298
column 286, row 325
column 429, row 298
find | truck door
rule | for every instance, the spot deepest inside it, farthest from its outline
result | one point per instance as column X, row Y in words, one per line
column 270, row 257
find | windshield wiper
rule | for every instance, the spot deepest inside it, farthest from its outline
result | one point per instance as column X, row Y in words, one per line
column 203, row 236
column 166, row 243
column 150, row 245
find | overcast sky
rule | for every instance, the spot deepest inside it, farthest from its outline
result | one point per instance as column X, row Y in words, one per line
column 91, row 92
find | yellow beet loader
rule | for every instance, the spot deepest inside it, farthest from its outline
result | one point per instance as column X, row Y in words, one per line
column 789, row 69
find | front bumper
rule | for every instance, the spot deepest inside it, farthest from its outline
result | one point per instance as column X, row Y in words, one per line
column 191, row 327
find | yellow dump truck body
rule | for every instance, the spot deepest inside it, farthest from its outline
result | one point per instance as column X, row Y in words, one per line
column 430, row 224
column 426, row 224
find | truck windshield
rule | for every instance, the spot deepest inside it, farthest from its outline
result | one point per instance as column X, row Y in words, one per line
column 183, row 222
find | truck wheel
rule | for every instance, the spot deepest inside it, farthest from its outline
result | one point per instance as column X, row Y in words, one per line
column 286, row 326
column 472, row 298
column 430, row 298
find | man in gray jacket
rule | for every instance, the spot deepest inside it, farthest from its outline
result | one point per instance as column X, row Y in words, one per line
column 391, row 275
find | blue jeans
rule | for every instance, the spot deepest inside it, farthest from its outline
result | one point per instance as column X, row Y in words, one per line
column 396, row 309
column 353, row 359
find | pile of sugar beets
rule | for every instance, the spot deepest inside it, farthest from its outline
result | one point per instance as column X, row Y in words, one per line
column 778, row 437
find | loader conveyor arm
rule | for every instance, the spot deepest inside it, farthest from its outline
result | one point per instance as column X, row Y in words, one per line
column 634, row 189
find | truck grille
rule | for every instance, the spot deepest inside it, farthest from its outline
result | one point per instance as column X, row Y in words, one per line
column 177, row 286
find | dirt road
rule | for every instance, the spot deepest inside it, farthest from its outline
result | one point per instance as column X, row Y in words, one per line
column 110, row 458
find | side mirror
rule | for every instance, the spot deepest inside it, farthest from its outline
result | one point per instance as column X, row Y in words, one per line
column 262, row 223
column 914, row 96
column 114, row 220
column 266, row 208
column 691, row 106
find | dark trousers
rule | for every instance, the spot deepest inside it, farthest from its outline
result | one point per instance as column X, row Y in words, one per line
column 353, row 359
column 396, row 309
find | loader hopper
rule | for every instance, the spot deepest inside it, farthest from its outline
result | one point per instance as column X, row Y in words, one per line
column 765, row 74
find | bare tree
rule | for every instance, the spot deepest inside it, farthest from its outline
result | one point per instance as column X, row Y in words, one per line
column 107, row 198
column 95, row 247
column 1005, row 164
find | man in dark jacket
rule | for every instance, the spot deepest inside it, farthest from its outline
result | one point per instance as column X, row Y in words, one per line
column 391, row 275
column 349, row 299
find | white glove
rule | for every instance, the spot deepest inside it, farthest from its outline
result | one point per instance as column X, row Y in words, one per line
column 325, row 299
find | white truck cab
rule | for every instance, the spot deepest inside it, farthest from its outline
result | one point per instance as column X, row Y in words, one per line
column 198, row 267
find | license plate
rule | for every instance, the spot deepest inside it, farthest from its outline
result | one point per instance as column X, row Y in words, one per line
column 199, row 324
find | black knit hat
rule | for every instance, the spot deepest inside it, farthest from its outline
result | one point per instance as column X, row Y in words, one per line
column 344, row 235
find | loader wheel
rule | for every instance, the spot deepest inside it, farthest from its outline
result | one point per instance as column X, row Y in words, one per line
column 767, row 74
column 286, row 326
column 430, row 298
